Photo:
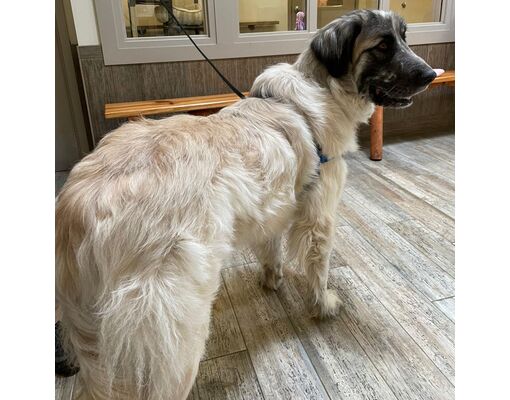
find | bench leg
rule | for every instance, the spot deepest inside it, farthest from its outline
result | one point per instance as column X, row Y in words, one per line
column 376, row 134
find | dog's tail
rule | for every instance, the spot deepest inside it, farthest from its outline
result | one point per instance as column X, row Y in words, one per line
column 144, row 333
column 149, row 328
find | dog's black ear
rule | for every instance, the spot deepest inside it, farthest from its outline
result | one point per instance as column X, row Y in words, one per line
column 333, row 46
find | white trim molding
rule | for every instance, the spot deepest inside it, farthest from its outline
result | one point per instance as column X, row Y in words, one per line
column 224, row 40
column 434, row 32
column 85, row 22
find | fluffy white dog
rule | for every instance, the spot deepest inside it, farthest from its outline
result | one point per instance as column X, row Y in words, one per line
column 145, row 222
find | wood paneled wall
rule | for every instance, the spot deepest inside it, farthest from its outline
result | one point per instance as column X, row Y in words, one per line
column 432, row 110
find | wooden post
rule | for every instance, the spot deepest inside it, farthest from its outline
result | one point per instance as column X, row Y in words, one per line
column 376, row 134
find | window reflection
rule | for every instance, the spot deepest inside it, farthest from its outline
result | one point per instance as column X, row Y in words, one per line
column 272, row 16
column 148, row 18
column 416, row 11
column 328, row 10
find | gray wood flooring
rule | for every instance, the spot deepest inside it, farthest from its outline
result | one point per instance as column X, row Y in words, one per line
column 393, row 266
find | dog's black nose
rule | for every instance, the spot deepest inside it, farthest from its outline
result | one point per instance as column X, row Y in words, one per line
column 426, row 76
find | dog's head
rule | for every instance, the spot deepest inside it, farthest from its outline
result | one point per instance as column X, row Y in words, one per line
column 371, row 46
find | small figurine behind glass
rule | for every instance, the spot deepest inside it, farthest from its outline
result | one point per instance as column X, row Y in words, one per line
column 300, row 21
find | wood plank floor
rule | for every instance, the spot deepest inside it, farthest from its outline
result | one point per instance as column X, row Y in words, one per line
column 393, row 267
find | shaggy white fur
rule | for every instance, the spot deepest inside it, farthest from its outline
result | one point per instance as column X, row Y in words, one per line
column 144, row 223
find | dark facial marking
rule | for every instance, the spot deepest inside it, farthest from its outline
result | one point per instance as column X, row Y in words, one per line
column 392, row 73
column 333, row 45
column 387, row 72
column 385, row 45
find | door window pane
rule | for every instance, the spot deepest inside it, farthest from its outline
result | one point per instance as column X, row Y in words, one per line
column 328, row 10
column 148, row 18
column 272, row 15
column 415, row 11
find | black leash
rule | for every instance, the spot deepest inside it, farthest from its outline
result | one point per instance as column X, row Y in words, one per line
column 168, row 7
column 166, row 3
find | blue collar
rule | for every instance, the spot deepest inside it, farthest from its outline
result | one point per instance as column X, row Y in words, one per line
column 323, row 158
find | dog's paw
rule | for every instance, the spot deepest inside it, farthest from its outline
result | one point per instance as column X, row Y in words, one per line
column 328, row 306
column 271, row 280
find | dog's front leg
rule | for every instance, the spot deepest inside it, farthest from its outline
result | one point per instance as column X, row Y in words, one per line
column 323, row 301
column 269, row 255
column 312, row 233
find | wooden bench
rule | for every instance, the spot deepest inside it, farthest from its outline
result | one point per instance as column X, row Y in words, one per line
column 206, row 105
column 376, row 121
column 199, row 105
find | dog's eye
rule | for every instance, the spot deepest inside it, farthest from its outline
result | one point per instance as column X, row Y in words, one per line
column 383, row 46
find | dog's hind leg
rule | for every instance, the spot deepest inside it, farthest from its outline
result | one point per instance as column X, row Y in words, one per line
column 144, row 337
column 269, row 255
